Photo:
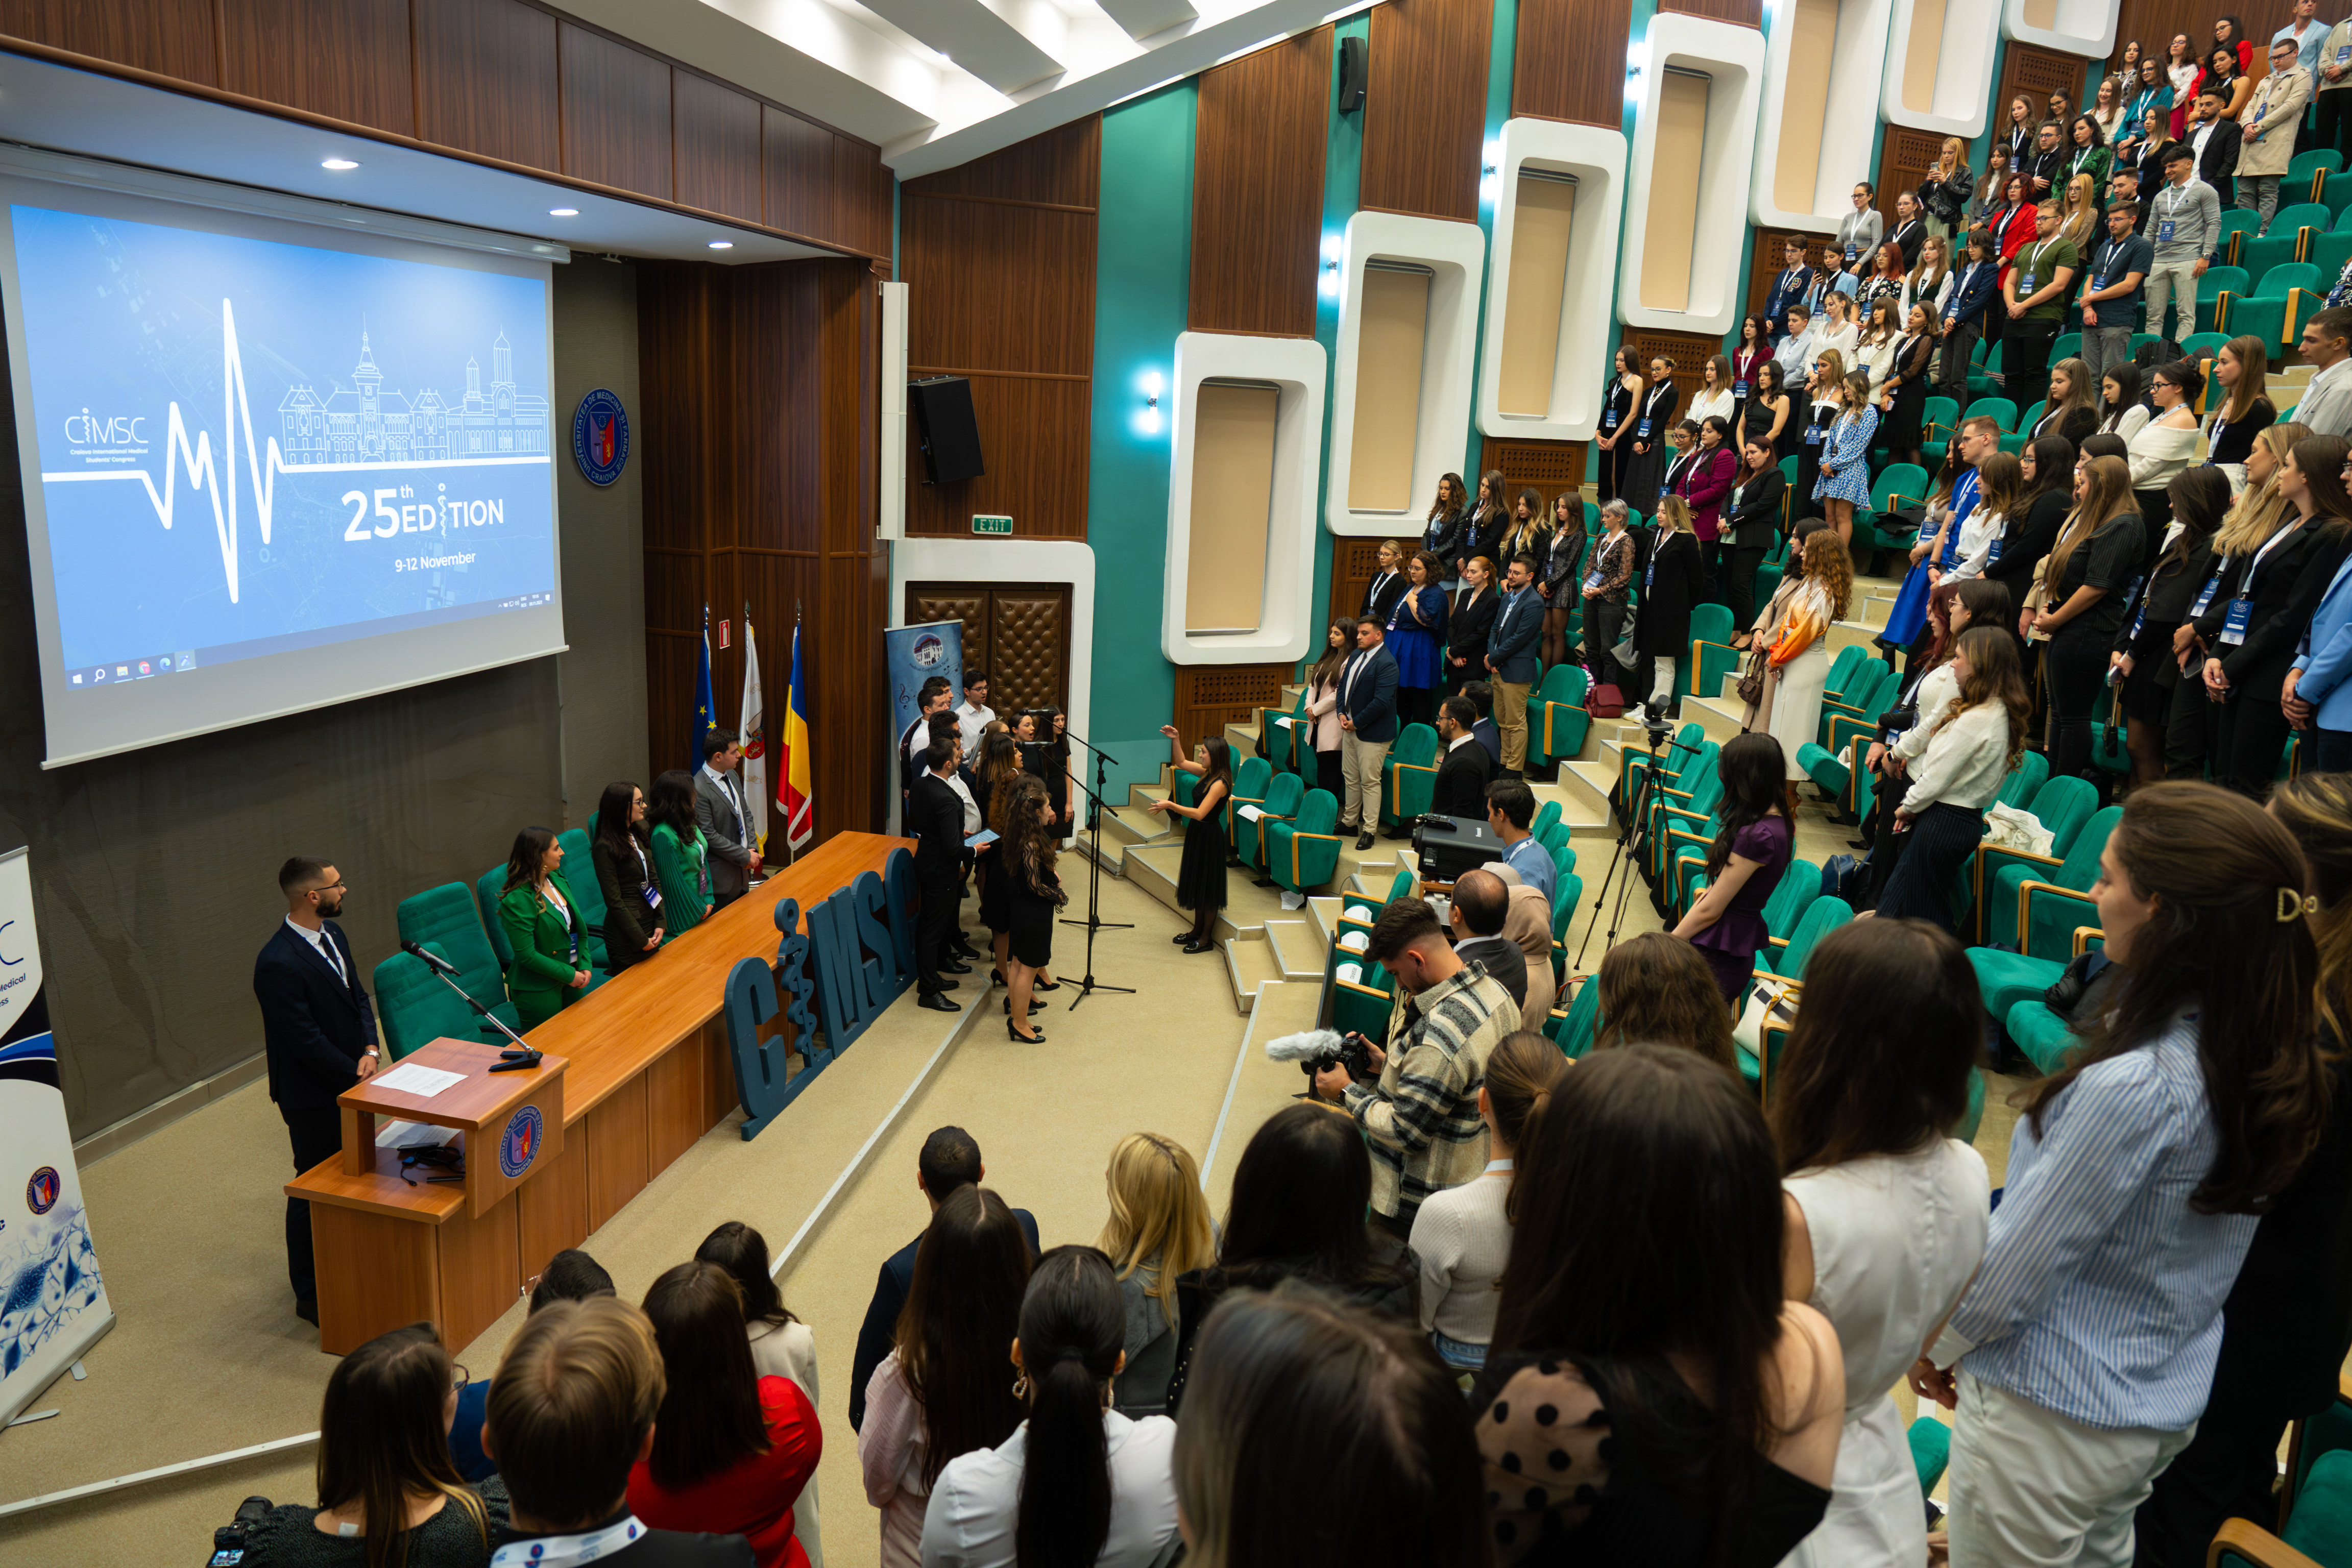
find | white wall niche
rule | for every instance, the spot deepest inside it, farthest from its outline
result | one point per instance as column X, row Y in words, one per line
column 1823, row 65
column 1296, row 368
column 1454, row 256
column 2084, row 28
column 1939, row 65
column 1694, row 151
column 1595, row 157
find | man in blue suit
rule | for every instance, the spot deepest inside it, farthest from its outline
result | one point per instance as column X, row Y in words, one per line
column 318, row 1032
column 1511, row 661
column 1368, row 728
column 1788, row 289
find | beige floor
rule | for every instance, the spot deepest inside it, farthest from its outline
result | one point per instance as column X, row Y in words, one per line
column 206, row 1357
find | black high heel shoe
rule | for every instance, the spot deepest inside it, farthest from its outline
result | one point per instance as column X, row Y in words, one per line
column 1014, row 1030
column 1034, row 1006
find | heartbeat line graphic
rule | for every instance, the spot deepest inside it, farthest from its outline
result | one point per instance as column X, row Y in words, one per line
column 263, row 463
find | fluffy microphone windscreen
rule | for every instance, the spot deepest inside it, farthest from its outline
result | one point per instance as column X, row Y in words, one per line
column 1303, row 1047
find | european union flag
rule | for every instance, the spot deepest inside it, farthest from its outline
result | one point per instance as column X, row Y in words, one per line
column 704, row 708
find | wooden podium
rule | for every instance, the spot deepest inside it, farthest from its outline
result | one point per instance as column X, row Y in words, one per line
column 510, row 1120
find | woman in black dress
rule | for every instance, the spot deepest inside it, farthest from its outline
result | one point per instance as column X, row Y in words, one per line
column 1200, row 879
column 1556, row 572
column 1671, row 584
column 1653, row 416
column 1615, row 438
column 1769, row 413
column 1904, row 395
column 2198, row 499
column 625, row 875
column 1034, row 895
column 991, row 779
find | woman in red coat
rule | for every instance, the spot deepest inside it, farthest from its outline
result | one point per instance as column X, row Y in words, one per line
column 1705, row 482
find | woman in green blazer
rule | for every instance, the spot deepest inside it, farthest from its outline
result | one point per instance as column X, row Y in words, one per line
column 681, row 859
column 544, row 927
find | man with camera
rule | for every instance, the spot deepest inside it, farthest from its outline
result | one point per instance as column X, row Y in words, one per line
column 1420, row 1113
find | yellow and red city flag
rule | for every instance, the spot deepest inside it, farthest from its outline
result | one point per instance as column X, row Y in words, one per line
column 793, row 764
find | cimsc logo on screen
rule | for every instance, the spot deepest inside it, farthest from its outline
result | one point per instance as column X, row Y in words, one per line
column 505, row 429
column 85, row 429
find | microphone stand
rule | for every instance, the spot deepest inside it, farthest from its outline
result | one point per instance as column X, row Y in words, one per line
column 467, row 997
column 1094, row 922
column 1630, row 836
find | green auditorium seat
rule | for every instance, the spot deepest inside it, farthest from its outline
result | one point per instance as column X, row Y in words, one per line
column 446, row 916
column 414, row 1006
column 1251, row 840
column 1557, row 719
column 1571, row 1028
column 1251, row 775
column 2065, row 806
column 2018, row 785
column 1411, row 766
column 2060, row 924
column 489, row 888
column 1302, row 853
column 587, row 892
column 1710, row 655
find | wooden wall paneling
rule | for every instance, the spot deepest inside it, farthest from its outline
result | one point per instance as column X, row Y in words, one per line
column 1211, row 696
column 2038, row 72
column 719, row 1095
column 1548, row 467
column 1354, row 563
column 797, row 182
column 170, row 37
column 615, row 1138
column 866, row 186
column 1765, row 266
column 349, row 59
column 486, row 80
column 1061, row 167
column 2154, row 23
column 481, row 1270
column 1904, row 159
column 1257, row 189
column 1688, row 350
column 998, row 287
column 1570, row 61
column 399, row 1256
column 1425, row 106
column 552, row 1210
column 617, row 114
column 1034, row 435
column 1742, row 13
column 677, row 1107
column 715, row 132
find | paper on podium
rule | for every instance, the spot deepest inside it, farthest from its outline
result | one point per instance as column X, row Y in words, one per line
column 415, row 1078
column 413, row 1135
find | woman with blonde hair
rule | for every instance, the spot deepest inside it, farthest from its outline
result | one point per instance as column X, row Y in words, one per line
column 1813, row 408
column 1715, row 397
column 1882, row 326
column 1845, row 483
column 1930, row 283
column 1158, row 1229
column 1463, row 1236
column 1657, row 989
column 1974, row 746
column 1839, row 329
column 1672, row 584
column 2078, row 212
column 1797, row 647
column 2090, row 570
column 1945, row 188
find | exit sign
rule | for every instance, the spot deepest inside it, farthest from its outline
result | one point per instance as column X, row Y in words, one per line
column 981, row 524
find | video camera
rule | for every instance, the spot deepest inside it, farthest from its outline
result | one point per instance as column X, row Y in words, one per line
column 228, row 1539
column 1317, row 1049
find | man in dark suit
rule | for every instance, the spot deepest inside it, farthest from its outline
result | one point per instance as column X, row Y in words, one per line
column 935, row 816
column 725, row 819
column 949, row 1160
column 1511, row 661
column 1481, row 903
column 1788, row 289
column 2045, row 167
column 1464, row 769
column 1368, row 728
column 2215, row 140
column 1490, row 739
column 317, row 1034
column 931, row 698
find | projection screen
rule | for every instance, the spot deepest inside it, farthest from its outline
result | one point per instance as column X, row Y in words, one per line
column 269, row 466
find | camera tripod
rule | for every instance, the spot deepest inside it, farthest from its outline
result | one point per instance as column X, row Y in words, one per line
column 1629, row 839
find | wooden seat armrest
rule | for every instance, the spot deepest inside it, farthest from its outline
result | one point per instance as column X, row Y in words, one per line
column 2082, row 935
column 2025, row 893
column 2256, row 1545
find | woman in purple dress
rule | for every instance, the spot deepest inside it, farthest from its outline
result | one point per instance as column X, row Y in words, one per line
column 1745, row 862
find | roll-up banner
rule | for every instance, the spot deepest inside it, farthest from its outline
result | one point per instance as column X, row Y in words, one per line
column 916, row 654
column 53, row 1304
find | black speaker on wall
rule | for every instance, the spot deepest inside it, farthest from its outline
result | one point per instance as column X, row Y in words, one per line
column 943, row 422
column 1353, row 65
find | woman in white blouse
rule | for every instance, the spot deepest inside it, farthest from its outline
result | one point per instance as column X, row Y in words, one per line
column 2166, row 444
column 2000, row 482
column 1957, row 776
column 1462, row 1235
column 1930, row 282
column 1838, row 330
column 1077, row 1481
column 2119, row 395
column 1886, row 1212
column 1714, row 397
column 1875, row 349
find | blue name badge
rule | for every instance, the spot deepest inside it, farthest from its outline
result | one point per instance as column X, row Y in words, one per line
column 1813, row 436
column 2233, row 625
column 2344, row 54
column 1993, row 555
column 1609, row 420
column 2206, row 598
column 1739, row 389
column 1649, row 574
column 2098, row 281
column 1643, row 430
column 2163, row 231
column 2025, row 283
column 1852, row 253
column 1593, row 582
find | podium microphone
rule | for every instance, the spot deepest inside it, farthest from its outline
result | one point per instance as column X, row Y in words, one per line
column 440, row 964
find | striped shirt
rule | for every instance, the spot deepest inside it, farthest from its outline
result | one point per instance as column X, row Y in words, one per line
column 1420, row 1120
column 2100, row 1297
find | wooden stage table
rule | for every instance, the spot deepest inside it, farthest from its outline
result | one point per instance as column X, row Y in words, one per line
column 645, row 1071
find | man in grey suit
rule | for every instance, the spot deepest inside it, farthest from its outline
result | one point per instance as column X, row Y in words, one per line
column 1511, row 661
column 725, row 819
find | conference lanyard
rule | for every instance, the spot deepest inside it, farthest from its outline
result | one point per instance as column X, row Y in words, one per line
column 1952, row 306
column 1993, row 550
column 2030, row 275
column 653, row 894
column 2171, row 214
column 2241, row 607
column 2139, row 620
column 565, row 1551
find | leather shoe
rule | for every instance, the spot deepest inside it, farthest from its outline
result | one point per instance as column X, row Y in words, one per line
column 1181, row 937
column 1034, row 1006
column 952, row 967
column 1200, row 947
column 308, row 1312
column 936, row 1002
column 1035, row 1036
column 1363, row 841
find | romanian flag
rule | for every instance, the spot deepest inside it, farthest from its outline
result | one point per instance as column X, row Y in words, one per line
column 792, row 763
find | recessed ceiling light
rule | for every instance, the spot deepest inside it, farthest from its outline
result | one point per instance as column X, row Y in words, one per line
column 338, row 165
column 723, row 245
column 563, row 212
